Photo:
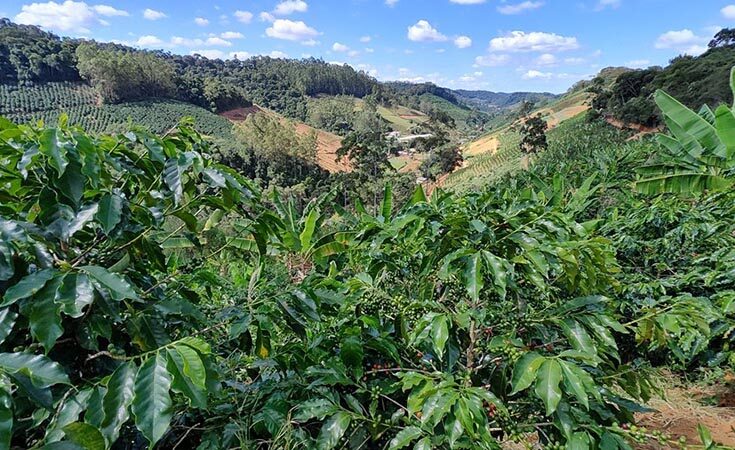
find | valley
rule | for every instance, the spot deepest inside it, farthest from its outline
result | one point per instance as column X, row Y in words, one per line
column 218, row 251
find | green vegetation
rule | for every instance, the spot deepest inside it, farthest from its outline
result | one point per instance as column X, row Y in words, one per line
column 401, row 118
column 533, row 135
column 48, row 101
column 701, row 150
column 694, row 81
column 481, row 170
column 153, row 297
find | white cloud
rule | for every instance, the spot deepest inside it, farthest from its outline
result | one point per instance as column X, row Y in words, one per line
column 468, row 2
column 244, row 16
column 424, row 32
column 728, row 12
column 603, row 4
column 67, row 16
column 391, row 3
column 573, row 60
column 109, row 11
column 366, row 39
column 638, row 63
column 369, row 50
column 519, row 7
column 231, row 35
column 211, row 54
column 152, row 14
column 277, row 54
column 520, row 41
column 290, row 30
column 547, row 59
column 470, row 77
column 201, row 21
column 217, row 42
column 213, row 41
column 290, row 6
column 266, row 17
column 684, row 41
column 463, row 42
column 537, row 75
column 148, row 41
column 337, row 47
column 240, row 55
column 492, row 60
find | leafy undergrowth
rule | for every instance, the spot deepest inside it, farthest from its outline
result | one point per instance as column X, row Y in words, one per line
column 153, row 298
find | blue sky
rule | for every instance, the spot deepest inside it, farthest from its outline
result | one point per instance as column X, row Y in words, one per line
column 500, row 45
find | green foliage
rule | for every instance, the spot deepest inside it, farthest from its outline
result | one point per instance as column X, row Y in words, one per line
column 84, row 277
column 335, row 114
column 483, row 169
column 139, row 309
column 700, row 153
column 694, row 81
column 533, row 135
column 120, row 75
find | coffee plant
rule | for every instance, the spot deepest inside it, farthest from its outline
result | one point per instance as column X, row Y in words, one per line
column 153, row 298
column 97, row 330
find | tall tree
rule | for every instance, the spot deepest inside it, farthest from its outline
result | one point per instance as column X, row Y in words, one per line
column 533, row 134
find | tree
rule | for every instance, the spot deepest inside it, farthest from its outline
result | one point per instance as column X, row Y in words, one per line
column 724, row 38
column 533, row 132
column 441, row 160
column 278, row 144
column 123, row 75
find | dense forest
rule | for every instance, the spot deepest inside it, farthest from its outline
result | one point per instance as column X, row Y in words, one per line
column 120, row 73
column 493, row 101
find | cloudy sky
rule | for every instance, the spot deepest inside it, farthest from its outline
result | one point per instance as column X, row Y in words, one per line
column 501, row 45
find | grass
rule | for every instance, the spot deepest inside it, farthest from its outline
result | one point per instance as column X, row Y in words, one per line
column 401, row 118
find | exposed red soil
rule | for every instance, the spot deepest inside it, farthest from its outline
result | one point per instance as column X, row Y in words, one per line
column 641, row 130
column 685, row 407
column 240, row 114
column 327, row 145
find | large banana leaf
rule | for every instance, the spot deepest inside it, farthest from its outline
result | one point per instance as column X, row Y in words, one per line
column 703, row 131
column 679, row 180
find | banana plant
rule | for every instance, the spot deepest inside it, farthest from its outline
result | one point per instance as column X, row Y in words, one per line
column 701, row 149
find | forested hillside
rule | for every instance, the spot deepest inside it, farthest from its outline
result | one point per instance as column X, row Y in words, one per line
column 694, row 80
column 494, row 101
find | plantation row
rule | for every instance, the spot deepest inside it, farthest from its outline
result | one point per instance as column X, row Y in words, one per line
column 485, row 168
column 15, row 99
column 156, row 116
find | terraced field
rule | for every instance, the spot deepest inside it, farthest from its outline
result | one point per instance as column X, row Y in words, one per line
column 485, row 167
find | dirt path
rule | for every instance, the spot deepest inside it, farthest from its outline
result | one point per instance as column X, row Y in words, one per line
column 684, row 408
column 642, row 130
